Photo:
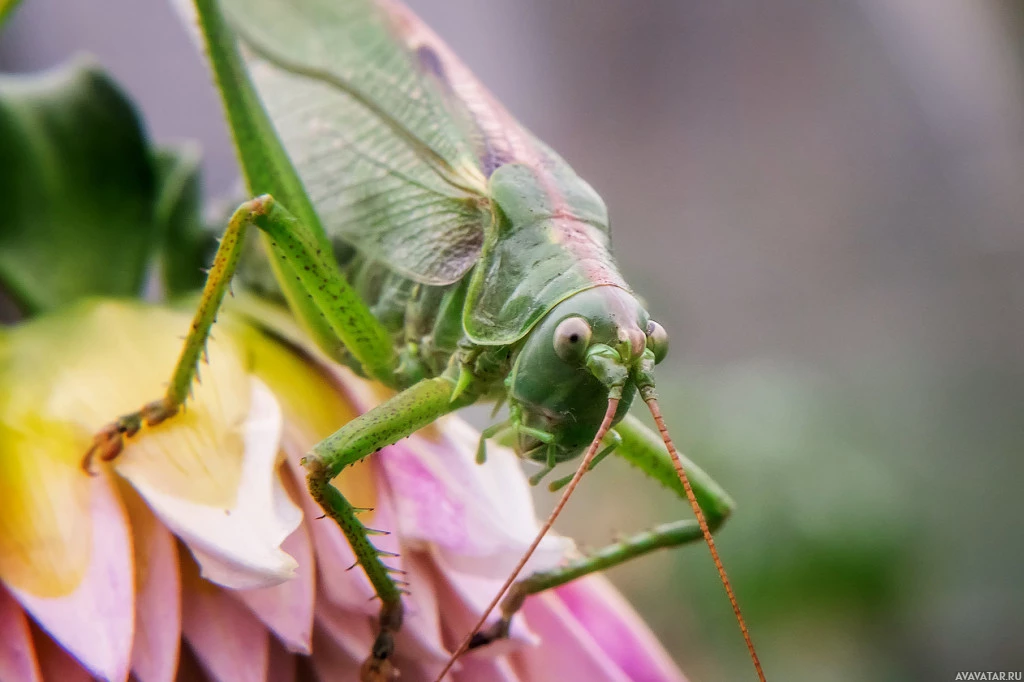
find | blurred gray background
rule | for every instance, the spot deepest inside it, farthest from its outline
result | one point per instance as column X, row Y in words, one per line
column 824, row 204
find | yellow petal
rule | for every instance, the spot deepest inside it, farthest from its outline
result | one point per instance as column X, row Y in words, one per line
column 65, row 376
column 124, row 359
column 314, row 407
column 45, row 527
column 239, row 545
column 360, row 394
column 94, row 622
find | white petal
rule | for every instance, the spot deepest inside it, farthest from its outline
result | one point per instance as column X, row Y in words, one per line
column 240, row 546
column 225, row 636
column 287, row 609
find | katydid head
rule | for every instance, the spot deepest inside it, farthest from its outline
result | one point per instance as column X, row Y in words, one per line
column 574, row 378
column 577, row 375
column 592, row 346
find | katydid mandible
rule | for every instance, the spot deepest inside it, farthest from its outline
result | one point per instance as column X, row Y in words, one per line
column 425, row 239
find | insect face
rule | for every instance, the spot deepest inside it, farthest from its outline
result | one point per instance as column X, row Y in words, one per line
column 590, row 342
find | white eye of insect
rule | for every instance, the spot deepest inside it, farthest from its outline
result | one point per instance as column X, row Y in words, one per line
column 657, row 340
column 572, row 336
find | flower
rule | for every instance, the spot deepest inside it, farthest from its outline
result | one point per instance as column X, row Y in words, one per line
column 198, row 551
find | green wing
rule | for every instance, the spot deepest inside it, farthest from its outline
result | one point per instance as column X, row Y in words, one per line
column 388, row 152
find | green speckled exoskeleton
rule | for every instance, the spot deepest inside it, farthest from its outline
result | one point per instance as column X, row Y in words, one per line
column 427, row 240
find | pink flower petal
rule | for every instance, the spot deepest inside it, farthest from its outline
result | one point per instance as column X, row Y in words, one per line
column 350, row 632
column 413, row 669
column 158, row 603
column 287, row 609
column 567, row 651
column 618, row 630
column 226, row 637
column 420, row 636
column 464, row 596
column 95, row 622
column 477, row 669
column 332, row 661
column 283, row 664
column 17, row 655
column 56, row 663
column 189, row 667
column 480, row 517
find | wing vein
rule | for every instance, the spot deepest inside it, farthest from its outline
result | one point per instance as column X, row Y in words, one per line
column 436, row 162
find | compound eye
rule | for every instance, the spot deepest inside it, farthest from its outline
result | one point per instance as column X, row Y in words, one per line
column 657, row 340
column 572, row 336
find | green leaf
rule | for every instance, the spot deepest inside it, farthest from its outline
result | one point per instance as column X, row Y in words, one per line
column 6, row 8
column 77, row 189
column 188, row 245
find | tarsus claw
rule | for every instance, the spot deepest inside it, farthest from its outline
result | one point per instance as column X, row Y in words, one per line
column 378, row 670
column 108, row 443
column 378, row 667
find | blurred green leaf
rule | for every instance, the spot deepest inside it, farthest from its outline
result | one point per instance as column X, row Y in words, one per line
column 187, row 244
column 6, row 8
column 77, row 187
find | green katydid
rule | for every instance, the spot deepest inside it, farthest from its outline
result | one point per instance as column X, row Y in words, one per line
column 427, row 240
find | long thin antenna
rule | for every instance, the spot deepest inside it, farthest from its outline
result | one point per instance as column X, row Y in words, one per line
column 652, row 404
column 606, row 423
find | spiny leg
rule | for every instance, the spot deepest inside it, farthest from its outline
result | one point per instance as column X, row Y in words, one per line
column 108, row 443
column 377, row 666
column 384, row 425
column 644, row 449
column 347, row 317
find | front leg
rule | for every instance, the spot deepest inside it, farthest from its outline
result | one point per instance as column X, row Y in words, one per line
column 108, row 443
column 643, row 449
column 401, row 416
column 341, row 317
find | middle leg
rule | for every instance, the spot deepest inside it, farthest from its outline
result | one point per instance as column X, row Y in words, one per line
column 401, row 416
